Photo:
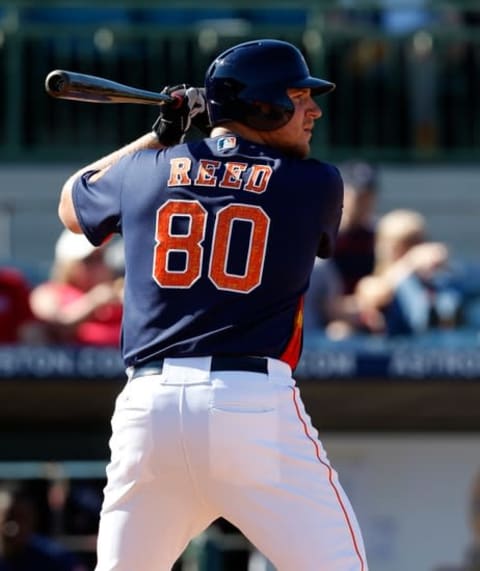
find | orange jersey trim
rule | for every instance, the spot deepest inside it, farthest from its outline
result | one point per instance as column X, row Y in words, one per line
column 291, row 355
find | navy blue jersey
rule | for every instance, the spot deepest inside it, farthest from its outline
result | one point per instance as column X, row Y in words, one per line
column 220, row 238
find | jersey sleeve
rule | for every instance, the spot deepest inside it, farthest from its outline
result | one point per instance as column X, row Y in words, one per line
column 97, row 201
column 331, row 213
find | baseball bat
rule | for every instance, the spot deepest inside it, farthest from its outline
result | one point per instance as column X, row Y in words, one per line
column 64, row 84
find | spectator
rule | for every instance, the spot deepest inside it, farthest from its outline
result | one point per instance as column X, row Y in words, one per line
column 411, row 285
column 21, row 547
column 330, row 306
column 327, row 311
column 17, row 323
column 324, row 292
column 354, row 251
column 82, row 301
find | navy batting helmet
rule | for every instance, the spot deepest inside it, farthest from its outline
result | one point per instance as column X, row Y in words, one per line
column 248, row 83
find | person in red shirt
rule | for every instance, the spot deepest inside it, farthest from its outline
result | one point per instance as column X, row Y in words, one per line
column 81, row 303
column 15, row 313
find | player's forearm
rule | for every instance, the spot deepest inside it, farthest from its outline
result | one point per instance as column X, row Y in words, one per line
column 66, row 211
column 147, row 141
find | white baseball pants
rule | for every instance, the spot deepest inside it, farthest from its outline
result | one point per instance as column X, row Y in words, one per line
column 190, row 445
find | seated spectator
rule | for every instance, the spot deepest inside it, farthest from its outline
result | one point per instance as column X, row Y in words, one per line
column 330, row 306
column 354, row 249
column 82, row 301
column 17, row 323
column 324, row 291
column 327, row 311
column 411, row 285
column 21, row 547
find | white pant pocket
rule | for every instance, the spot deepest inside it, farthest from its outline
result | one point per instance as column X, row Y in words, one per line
column 243, row 445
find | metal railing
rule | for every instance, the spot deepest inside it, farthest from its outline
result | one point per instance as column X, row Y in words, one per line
column 408, row 93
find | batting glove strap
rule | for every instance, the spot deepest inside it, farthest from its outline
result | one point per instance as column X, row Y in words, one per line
column 175, row 118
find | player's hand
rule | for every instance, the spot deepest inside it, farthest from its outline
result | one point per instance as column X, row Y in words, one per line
column 176, row 118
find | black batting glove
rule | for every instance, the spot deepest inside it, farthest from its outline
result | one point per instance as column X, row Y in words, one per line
column 201, row 120
column 175, row 118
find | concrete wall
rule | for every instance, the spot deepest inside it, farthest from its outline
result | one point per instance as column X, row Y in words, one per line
column 411, row 494
column 448, row 196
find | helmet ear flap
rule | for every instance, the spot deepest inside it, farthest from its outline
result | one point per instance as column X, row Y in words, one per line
column 230, row 100
column 267, row 116
column 257, row 115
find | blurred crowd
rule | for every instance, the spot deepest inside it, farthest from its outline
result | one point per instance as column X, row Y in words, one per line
column 51, row 524
column 387, row 276
column 80, row 303
column 30, row 531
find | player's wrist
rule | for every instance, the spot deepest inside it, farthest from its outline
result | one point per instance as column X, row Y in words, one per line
column 167, row 133
column 176, row 118
column 172, row 122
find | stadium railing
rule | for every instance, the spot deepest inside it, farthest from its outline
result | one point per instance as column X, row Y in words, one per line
column 405, row 91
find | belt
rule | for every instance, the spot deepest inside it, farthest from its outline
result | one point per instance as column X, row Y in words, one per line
column 250, row 364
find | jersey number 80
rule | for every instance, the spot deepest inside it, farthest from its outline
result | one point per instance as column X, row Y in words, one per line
column 192, row 244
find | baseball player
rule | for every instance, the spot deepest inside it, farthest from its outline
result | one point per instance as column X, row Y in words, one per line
column 220, row 236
